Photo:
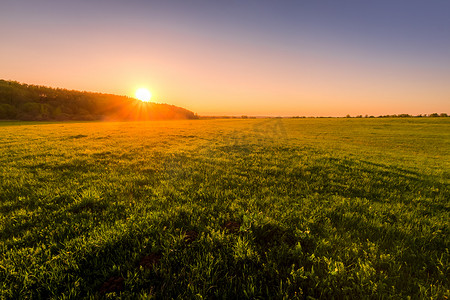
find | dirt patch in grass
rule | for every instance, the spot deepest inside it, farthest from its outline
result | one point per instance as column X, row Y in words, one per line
column 232, row 226
column 112, row 285
column 78, row 136
column 190, row 236
column 148, row 261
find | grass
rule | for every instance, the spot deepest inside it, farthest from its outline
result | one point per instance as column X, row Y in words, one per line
column 280, row 208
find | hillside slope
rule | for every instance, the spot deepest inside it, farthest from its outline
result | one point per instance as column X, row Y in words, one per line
column 38, row 103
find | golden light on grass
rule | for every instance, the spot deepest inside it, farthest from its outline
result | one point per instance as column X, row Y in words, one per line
column 143, row 94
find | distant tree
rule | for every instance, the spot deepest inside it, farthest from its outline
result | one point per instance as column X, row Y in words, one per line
column 434, row 115
column 31, row 108
column 7, row 111
column 443, row 115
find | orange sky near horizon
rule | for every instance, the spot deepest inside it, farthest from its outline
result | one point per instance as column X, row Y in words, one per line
column 226, row 69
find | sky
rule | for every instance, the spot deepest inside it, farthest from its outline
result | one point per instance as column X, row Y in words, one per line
column 256, row 58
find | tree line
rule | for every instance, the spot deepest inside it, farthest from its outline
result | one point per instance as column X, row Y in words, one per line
column 26, row 102
column 433, row 115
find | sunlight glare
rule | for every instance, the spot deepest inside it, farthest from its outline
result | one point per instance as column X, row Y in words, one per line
column 143, row 95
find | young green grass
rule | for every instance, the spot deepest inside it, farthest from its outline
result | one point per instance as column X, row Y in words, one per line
column 280, row 208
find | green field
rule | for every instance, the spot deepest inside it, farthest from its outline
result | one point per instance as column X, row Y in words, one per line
column 205, row 209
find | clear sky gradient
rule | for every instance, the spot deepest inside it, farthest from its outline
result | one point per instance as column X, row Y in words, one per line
column 286, row 58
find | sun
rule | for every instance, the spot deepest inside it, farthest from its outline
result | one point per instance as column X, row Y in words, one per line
column 143, row 95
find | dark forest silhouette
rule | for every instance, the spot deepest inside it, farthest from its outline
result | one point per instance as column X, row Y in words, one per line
column 39, row 103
